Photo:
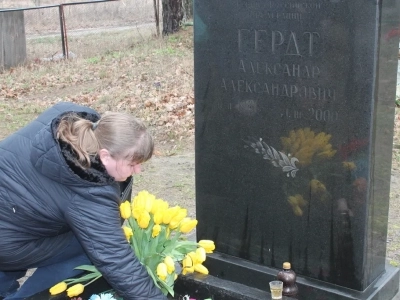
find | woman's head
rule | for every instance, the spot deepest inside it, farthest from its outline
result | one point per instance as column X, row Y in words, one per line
column 121, row 141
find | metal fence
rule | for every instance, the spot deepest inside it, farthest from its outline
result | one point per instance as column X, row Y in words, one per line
column 82, row 28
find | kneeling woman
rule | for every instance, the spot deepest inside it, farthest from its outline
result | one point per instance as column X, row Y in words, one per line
column 62, row 178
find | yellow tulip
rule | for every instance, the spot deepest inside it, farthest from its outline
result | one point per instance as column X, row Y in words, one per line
column 75, row 290
column 179, row 216
column 187, row 265
column 144, row 200
column 208, row 245
column 169, row 262
column 158, row 216
column 144, row 219
column 149, row 202
column 125, row 209
column 175, row 276
column 188, row 225
column 193, row 256
column 201, row 254
column 128, row 232
column 58, row 288
column 201, row 269
column 156, row 230
column 162, row 272
column 170, row 213
column 159, row 205
column 137, row 211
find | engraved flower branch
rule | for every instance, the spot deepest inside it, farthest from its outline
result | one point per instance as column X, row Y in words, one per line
column 277, row 158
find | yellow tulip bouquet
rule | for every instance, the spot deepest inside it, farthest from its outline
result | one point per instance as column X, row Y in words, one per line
column 157, row 235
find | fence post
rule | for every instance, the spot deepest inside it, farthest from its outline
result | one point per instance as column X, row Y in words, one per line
column 63, row 31
column 12, row 39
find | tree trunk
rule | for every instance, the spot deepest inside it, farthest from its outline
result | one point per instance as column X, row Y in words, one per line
column 188, row 9
column 172, row 15
column 156, row 4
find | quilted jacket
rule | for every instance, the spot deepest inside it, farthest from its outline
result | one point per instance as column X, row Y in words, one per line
column 44, row 197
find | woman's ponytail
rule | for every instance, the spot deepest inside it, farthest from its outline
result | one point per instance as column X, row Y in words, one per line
column 80, row 134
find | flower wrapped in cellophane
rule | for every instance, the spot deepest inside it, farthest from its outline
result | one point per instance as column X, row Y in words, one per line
column 157, row 235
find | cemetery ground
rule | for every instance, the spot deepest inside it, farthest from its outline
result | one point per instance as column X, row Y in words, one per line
column 153, row 79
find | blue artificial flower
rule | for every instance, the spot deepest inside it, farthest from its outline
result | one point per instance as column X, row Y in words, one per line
column 106, row 296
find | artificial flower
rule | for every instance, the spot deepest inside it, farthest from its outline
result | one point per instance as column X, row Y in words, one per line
column 169, row 262
column 107, row 296
column 58, row 288
column 75, row 290
column 188, row 225
column 208, row 245
column 162, row 271
column 128, row 232
column 125, row 210
column 104, row 296
column 156, row 230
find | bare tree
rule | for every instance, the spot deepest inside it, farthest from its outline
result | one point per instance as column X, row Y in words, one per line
column 187, row 10
column 172, row 11
column 156, row 4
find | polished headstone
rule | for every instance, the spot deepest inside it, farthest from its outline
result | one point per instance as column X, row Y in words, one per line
column 294, row 127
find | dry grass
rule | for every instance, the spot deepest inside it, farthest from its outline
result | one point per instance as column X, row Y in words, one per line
column 127, row 22
column 152, row 79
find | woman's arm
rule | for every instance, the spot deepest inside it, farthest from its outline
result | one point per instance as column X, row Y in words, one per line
column 95, row 221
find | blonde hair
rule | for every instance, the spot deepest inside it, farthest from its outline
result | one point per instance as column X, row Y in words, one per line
column 123, row 135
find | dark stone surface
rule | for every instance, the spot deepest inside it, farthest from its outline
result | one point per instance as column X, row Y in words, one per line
column 200, row 286
column 264, row 69
column 196, row 285
column 97, row 287
column 231, row 269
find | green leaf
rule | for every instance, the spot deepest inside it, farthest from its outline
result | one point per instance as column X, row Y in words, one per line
column 84, row 278
column 155, row 279
column 89, row 268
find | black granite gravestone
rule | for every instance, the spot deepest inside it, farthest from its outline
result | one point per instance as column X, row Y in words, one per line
column 294, row 119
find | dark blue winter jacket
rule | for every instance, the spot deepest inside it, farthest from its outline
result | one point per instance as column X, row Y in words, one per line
column 43, row 199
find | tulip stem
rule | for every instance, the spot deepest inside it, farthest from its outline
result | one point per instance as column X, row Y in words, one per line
column 93, row 280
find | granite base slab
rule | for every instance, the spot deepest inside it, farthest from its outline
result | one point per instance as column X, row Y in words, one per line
column 233, row 269
column 197, row 286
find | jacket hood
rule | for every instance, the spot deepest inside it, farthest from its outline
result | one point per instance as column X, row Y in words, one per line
column 55, row 159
